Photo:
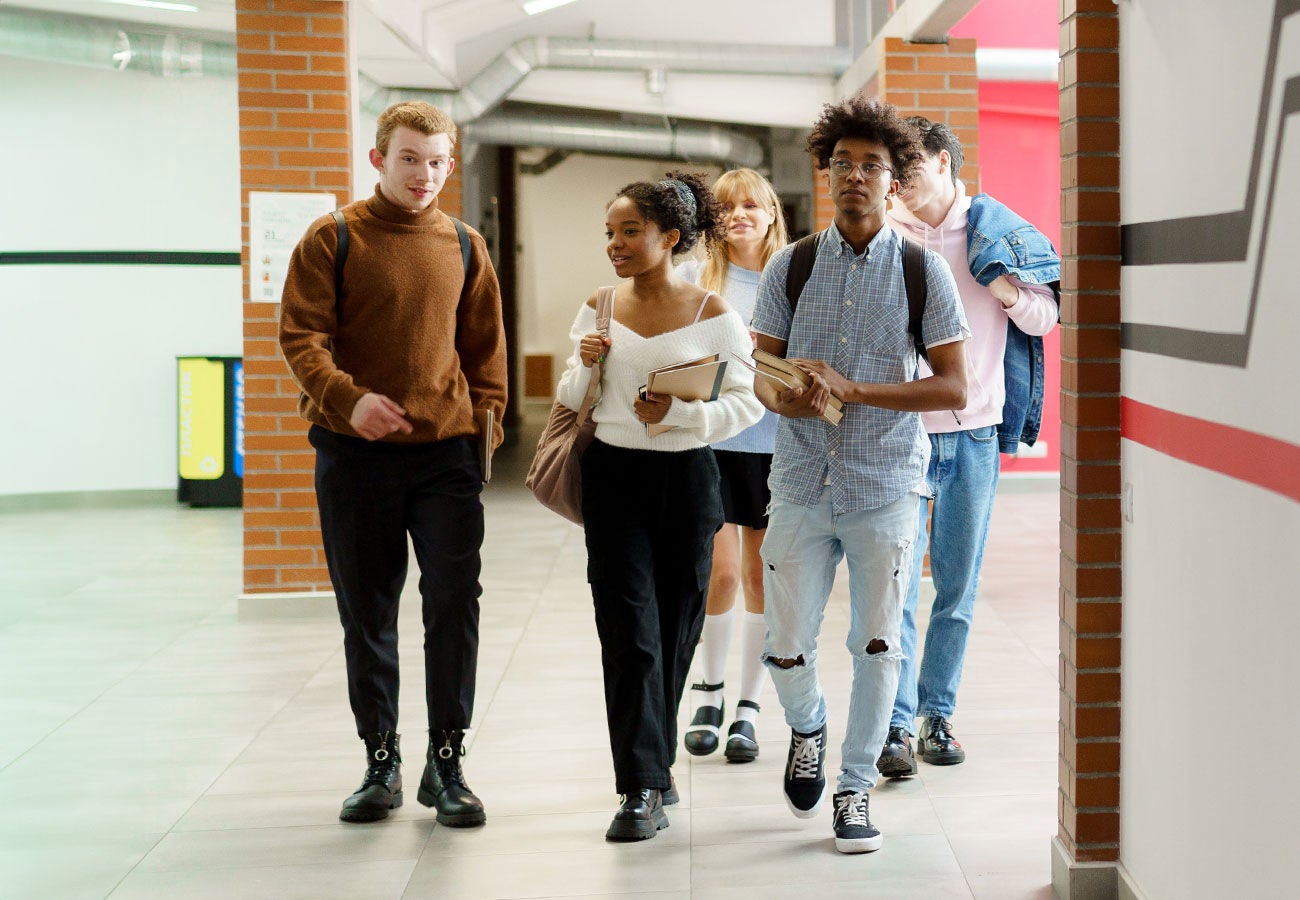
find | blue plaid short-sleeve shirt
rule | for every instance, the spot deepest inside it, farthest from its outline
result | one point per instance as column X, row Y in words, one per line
column 853, row 315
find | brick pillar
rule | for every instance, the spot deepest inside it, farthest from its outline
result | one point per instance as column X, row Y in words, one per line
column 1091, row 574
column 295, row 135
column 937, row 81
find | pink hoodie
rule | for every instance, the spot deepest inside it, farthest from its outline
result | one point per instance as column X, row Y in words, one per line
column 1035, row 312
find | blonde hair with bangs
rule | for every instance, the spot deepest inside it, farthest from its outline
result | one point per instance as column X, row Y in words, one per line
column 734, row 185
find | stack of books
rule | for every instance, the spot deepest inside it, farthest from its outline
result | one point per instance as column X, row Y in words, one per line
column 788, row 375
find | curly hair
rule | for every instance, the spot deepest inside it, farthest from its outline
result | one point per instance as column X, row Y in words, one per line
column 661, row 203
column 873, row 120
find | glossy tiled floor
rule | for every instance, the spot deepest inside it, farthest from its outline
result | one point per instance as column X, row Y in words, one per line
column 157, row 745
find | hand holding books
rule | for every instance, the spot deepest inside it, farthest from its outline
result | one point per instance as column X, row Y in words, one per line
column 696, row 379
column 787, row 375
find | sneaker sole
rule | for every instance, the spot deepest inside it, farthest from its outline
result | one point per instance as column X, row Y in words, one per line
column 859, row 845
column 805, row 813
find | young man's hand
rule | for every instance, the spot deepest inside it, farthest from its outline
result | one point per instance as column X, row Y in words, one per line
column 834, row 381
column 805, row 403
column 375, row 416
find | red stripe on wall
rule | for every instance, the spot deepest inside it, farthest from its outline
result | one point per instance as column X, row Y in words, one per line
column 1264, row 461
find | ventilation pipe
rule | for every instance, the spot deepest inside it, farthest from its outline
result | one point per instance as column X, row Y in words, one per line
column 688, row 142
column 106, row 45
column 697, row 143
column 486, row 90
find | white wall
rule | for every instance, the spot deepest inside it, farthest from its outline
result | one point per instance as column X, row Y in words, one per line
column 104, row 160
column 562, row 242
column 1210, row 663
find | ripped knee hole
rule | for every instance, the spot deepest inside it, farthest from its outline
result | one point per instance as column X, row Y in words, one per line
column 786, row 663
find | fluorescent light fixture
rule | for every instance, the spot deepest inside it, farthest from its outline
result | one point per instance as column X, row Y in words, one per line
column 533, row 7
column 157, row 4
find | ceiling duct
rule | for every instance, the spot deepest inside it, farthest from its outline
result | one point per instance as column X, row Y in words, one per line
column 696, row 143
column 486, row 90
column 101, row 44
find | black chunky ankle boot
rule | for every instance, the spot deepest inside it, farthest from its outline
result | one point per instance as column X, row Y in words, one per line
column 382, row 788
column 443, row 785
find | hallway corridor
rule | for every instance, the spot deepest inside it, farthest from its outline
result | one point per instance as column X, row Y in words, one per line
column 161, row 743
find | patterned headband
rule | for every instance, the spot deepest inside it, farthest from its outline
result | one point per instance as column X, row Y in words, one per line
column 683, row 193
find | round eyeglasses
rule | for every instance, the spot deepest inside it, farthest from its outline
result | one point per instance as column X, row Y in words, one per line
column 843, row 167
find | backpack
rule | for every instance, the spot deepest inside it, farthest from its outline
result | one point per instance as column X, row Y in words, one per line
column 805, row 254
column 341, row 256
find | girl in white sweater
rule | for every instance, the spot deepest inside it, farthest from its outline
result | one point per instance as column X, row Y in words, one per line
column 651, row 504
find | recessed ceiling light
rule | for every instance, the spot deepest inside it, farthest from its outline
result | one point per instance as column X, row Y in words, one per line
column 533, row 7
column 156, row 4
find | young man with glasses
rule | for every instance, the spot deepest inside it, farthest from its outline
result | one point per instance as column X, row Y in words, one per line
column 850, row 489
column 1004, row 269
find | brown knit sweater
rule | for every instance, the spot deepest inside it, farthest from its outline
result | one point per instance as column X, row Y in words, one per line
column 399, row 327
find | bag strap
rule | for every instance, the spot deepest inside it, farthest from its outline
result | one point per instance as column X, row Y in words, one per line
column 604, row 312
column 341, row 255
column 915, row 283
column 801, row 266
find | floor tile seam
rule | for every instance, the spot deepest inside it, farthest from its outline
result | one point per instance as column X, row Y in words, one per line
column 523, row 632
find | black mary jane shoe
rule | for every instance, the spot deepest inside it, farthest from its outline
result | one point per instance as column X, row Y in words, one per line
column 702, row 734
column 640, row 817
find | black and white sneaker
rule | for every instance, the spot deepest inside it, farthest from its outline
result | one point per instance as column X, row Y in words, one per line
column 854, row 832
column 805, row 772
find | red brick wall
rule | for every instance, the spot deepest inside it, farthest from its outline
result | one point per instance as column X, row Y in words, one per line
column 937, row 81
column 1091, row 574
column 295, row 135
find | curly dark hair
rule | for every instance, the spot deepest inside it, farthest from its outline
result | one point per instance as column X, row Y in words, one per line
column 660, row 203
column 874, row 120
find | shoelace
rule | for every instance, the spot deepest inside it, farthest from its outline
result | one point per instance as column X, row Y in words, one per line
column 807, row 754
column 851, row 809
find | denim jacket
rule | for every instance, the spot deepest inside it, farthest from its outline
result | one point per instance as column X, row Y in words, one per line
column 1000, row 242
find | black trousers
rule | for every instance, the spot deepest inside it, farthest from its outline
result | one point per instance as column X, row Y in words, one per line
column 650, row 518
column 371, row 495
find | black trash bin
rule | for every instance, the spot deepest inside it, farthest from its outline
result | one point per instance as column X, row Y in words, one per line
column 210, row 430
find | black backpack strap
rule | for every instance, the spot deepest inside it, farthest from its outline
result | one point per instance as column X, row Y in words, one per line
column 341, row 254
column 462, row 234
column 917, row 289
column 801, row 266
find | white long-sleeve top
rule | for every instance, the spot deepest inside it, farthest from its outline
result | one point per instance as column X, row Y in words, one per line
column 1034, row 312
column 628, row 362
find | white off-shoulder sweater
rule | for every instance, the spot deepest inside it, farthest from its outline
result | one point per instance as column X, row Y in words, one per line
column 630, row 358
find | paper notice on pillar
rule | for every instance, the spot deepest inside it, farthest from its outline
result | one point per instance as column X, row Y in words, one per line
column 276, row 222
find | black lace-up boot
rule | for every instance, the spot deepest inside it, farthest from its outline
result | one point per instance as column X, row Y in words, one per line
column 382, row 788
column 443, row 785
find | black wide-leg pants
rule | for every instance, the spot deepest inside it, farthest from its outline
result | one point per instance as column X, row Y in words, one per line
column 650, row 518
column 371, row 495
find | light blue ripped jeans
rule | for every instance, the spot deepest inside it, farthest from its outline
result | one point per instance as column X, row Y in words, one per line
column 801, row 549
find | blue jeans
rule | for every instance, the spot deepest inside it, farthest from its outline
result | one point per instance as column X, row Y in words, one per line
column 801, row 549
column 963, row 476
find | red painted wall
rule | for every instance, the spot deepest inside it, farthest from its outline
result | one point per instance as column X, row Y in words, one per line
column 1020, row 163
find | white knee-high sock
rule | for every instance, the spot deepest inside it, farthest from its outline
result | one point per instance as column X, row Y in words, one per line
column 713, row 655
column 753, row 674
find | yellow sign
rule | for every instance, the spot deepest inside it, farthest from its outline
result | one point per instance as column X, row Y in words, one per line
column 201, row 419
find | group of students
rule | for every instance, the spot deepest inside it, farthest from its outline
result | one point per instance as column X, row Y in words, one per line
column 752, row 492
